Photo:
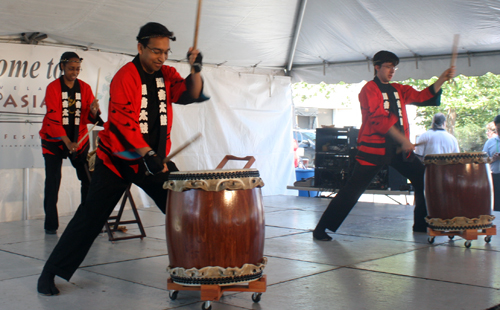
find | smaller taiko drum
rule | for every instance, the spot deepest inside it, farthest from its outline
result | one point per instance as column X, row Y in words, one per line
column 215, row 226
column 458, row 191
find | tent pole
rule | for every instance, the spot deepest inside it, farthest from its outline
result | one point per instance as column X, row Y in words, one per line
column 296, row 33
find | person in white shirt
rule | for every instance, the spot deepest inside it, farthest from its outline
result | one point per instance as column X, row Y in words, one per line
column 492, row 148
column 436, row 140
column 491, row 130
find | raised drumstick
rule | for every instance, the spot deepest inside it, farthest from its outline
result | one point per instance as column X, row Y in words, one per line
column 197, row 25
column 454, row 52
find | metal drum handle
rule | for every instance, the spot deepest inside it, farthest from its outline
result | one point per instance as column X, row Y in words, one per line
column 250, row 160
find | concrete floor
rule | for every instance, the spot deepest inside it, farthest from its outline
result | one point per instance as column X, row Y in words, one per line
column 373, row 262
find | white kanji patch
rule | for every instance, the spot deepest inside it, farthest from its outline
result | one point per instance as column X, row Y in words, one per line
column 163, row 120
column 78, row 96
column 396, row 95
column 144, row 127
column 160, row 83
column 144, row 103
column 144, row 89
column 65, row 113
column 65, row 103
column 78, row 104
column 64, row 95
column 65, row 121
column 77, row 121
column 162, row 94
column 143, row 116
column 77, row 113
column 163, row 107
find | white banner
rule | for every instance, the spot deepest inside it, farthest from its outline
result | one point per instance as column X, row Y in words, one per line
column 25, row 72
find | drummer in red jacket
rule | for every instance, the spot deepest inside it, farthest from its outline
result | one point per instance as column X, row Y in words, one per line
column 70, row 107
column 135, row 140
column 383, row 138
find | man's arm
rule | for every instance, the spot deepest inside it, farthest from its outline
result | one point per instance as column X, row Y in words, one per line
column 196, row 85
column 406, row 145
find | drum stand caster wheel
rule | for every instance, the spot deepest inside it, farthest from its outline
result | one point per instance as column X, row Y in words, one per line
column 173, row 294
column 468, row 243
column 256, row 297
column 207, row 305
column 487, row 239
column 430, row 240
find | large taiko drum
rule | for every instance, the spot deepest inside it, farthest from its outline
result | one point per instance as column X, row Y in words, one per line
column 215, row 226
column 458, row 191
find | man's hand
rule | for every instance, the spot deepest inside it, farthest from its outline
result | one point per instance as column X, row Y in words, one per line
column 407, row 147
column 154, row 163
column 94, row 107
column 495, row 157
column 195, row 60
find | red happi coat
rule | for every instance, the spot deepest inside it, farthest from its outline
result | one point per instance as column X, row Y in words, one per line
column 122, row 133
column 376, row 120
column 52, row 127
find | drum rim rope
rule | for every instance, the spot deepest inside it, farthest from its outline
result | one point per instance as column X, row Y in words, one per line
column 460, row 223
column 456, row 158
column 219, row 275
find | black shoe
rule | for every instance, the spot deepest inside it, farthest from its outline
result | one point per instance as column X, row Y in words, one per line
column 50, row 232
column 321, row 235
column 46, row 285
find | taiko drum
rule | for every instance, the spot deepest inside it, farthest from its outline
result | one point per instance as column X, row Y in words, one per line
column 458, row 191
column 215, row 226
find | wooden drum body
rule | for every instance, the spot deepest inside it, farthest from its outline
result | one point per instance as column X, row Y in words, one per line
column 458, row 191
column 215, row 227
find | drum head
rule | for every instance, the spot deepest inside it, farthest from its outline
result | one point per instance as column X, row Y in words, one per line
column 214, row 180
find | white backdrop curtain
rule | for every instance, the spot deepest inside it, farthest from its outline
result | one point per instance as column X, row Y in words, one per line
column 247, row 115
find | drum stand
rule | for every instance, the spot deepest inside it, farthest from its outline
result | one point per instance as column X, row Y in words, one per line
column 467, row 234
column 113, row 222
column 213, row 292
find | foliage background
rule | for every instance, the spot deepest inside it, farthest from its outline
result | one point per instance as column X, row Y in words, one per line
column 469, row 103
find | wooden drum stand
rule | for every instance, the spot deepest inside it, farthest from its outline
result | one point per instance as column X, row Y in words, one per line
column 467, row 234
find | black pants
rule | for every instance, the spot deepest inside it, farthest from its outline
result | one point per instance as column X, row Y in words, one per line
column 348, row 196
column 106, row 189
column 53, row 164
column 496, row 191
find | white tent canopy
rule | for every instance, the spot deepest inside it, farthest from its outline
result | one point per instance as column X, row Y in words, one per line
column 319, row 40
column 248, row 48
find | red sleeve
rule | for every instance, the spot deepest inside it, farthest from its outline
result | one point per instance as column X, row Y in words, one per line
column 375, row 118
column 52, row 122
column 122, row 129
column 411, row 95
column 174, row 82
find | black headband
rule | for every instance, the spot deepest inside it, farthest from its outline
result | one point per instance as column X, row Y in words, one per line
column 171, row 37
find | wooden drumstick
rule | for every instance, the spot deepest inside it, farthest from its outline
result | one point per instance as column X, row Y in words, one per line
column 454, row 52
column 97, row 85
column 399, row 149
column 197, row 25
column 179, row 149
column 88, row 132
column 182, row 147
